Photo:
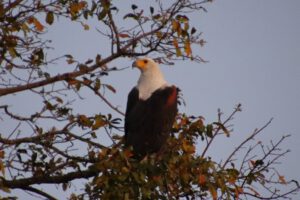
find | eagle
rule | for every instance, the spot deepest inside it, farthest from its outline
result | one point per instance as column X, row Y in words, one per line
column 151, row 110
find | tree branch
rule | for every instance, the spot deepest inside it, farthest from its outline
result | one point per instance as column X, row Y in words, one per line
column 25, row 182
column 40, row 192
column 60, row 77
column 245, row 141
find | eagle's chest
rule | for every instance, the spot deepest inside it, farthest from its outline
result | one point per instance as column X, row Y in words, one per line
column 146, row 90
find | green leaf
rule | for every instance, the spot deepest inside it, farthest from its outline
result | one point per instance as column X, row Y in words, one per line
column 12, row 52
column 97, row 84
column 209, row 130
column 224, row 129
column 50, row 18
column 102, row 14
column 178, row 52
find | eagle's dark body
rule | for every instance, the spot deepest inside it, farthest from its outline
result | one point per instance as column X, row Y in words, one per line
column 151, row 110
column 148, row 123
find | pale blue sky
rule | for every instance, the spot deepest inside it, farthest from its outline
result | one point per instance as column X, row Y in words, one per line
column 253, row 49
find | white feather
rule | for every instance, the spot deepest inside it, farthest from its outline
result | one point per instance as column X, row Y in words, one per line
column 150, row 80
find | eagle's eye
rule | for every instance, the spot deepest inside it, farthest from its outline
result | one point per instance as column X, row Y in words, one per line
column 145, row 61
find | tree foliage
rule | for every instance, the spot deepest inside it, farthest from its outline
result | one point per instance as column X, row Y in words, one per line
column 56, row 145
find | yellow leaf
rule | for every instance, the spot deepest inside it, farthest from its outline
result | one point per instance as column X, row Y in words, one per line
column 187, row 147
column 178, row 52
column 159, row 34
column 99, row 122
column 12, row 52
column 175, row 25
column 179, row 31
column 25, row 28
column 213, row 193
column 175, row 43
column 186, row 25
column 187, row 48
column 97, row 84
column 84, row 120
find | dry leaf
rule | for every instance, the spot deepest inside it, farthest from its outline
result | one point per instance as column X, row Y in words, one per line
column 201, row 179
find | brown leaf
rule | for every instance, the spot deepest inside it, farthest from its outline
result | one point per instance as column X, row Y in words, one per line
column 37, row 24
column 128, row 153
column 159, row 34
column 76, row 7
column 49, row 18
column 175, row 25
column 254, row 191
column 2, row 154
column 238, row 191
column 201, row 179
column 252, row 162
column 2, row 167
column 84, row 120
column 85, row 26
column 282, row 179
column 70, row 61
column 175, row 43
column 72, row 81
column 123, row 35
column 111, row 88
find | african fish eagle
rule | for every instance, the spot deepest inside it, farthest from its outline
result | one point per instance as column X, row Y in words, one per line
column 151, row 110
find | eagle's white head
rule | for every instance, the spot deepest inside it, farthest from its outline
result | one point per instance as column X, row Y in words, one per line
column 150, row 79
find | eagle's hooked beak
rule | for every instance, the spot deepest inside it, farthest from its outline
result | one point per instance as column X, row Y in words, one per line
column 141, row 64
column 134, row 64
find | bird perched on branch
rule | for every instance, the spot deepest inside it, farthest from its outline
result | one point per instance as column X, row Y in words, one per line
column 151, row 110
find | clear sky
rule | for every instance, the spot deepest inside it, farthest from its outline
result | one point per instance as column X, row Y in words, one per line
column 253, row 49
